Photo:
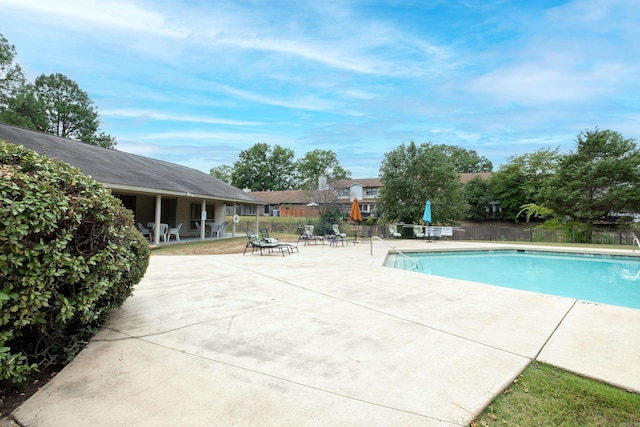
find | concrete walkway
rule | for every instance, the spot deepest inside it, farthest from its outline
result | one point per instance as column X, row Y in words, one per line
column 323, row 337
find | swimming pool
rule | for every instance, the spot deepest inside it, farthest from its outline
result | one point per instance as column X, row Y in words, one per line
column 607, row 279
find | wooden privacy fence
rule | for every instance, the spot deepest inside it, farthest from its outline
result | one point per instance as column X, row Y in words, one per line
column 301, row 212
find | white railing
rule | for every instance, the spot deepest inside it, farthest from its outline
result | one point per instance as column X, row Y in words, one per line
column 635, row 242
column 413, row 261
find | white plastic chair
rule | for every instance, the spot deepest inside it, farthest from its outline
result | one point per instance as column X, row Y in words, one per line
column 145, row 231
column 175, row 231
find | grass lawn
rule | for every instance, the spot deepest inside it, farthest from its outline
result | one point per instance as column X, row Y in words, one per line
column 541, row 396
column 546, row 396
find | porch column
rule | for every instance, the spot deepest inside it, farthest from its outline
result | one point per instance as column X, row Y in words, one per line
column 257, row 219
column 234, row 213
column 156, row 234
column 203, row 217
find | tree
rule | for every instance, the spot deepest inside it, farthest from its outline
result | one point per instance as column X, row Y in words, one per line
column 522, row 180
column 222, row 172
column 478, row 195
column 600, row 177
column 411, row 175
column 319, row 163
column 11, row 76
column 70, row 111
column 25, row 110
column 467, row 161
column 263, row 168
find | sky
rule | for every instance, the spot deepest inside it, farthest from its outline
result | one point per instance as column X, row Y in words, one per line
column 196, row 82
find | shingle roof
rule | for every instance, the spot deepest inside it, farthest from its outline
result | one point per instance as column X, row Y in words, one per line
column 466, row 177
column 117, row 169
column 283, row 197
column 365, row 182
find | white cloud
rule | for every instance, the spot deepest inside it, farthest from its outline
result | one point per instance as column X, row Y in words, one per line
column 119, row 14
column 171, row 117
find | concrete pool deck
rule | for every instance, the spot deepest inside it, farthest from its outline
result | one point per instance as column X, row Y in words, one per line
column 326, row 336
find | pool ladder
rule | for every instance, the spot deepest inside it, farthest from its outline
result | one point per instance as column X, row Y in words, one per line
column 413, row 261
column 636, row 241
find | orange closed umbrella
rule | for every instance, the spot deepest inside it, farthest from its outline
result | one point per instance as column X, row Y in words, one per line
column 355, row 213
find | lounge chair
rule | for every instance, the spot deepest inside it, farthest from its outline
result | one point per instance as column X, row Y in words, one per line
column 393, row 230
column 264, row 233
column 306, row 235
column 256, row 244
column 337, row 236
column 337, row 232
column 417, row 232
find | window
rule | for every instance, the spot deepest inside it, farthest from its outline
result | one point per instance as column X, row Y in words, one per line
column 373, row 191
column 196, row 210
column 342, row 192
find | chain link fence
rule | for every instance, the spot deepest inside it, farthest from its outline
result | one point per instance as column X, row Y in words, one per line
column 478, row 232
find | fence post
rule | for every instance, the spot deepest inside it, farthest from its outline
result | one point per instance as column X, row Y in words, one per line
column 531, row 233
column 490, row 228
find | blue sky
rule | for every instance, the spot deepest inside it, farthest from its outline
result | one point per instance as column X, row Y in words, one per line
column 195, row 82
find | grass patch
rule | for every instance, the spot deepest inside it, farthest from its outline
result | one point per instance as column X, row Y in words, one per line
column 546, row 396
column 234, row 245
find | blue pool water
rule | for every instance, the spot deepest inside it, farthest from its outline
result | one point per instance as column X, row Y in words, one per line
column 607, row 279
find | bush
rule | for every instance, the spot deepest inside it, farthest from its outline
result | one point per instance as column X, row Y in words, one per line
column 69, row 253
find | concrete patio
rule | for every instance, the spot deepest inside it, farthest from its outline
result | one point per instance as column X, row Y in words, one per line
column 326, row 336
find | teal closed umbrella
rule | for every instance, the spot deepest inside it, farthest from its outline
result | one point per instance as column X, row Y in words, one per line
column 427, row 212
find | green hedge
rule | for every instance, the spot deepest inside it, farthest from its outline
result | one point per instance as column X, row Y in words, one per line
column 69, row 253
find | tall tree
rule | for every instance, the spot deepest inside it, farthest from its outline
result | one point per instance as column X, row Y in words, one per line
column 478, row 195
column 222, row 172
column 12, row 78
column 69, row 110
column 411, row 175
column 263, row 168
column 467, row 161
column 522, row 179
column 24, row 109
column 319, row 163
column 600, row 177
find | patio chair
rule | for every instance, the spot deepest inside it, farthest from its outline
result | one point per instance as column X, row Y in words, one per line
column 145, row 231
column 256, row 244
column 175, row 231
column 417, row 232
column 222, row 228
column 393, row 230
column 164, row 229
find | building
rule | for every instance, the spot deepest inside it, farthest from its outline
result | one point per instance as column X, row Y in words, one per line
column 156, row 191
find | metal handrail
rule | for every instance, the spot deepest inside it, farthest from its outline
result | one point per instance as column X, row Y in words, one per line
column 413, row 261
column 635, row 240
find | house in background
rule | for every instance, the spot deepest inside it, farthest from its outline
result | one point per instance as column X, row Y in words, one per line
column 301, row 203
column 156, row 191
column 365, row 189
column 304, row 203
column 293, row 203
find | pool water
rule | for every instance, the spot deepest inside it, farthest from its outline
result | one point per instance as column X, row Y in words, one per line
column 607, row 279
